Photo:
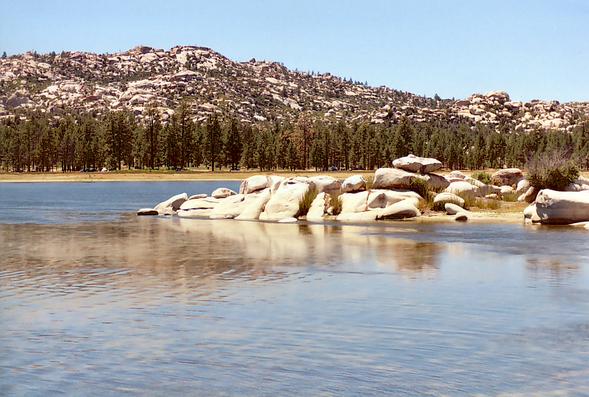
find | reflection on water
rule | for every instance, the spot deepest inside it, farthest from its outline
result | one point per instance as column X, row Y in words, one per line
column 177, row 306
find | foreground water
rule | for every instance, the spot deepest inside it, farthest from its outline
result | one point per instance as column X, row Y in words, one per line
column 95, row 301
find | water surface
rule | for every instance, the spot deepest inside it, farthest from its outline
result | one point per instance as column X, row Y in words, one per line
column 113, row 304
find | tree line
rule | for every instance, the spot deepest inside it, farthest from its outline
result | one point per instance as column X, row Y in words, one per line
column 117, row 140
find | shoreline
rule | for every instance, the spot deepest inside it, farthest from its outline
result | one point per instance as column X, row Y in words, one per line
column 188, row 176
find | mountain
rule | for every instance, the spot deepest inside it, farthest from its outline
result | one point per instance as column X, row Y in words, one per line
column 253, row 91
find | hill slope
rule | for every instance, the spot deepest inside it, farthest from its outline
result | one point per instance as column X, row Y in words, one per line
column 252, row 91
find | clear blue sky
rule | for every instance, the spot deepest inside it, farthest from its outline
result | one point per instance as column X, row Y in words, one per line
column 532, row 49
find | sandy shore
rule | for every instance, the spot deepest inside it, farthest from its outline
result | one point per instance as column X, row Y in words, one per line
column 133, row 176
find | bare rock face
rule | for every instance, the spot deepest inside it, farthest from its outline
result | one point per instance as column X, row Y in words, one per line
column 354, row 183
column 132, row 79
column 414, row 163
column 284, row 203
column 507, row 176
column 222, row 192
column 562, row 208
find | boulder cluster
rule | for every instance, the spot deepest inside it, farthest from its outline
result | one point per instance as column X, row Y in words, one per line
column 393, row 193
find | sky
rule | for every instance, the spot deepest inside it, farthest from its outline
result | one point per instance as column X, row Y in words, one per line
column 531, row 49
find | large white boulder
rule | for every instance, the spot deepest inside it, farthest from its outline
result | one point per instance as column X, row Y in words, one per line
column 199, row 204
column 562, row 208
column 507, row 176
column 222, row 192
column 284, row 203
column 255, row 183
column 319, row 207
column 506, row 189
column 414, row 163
column 254, row 205
column 463, row 189
column 446, row 197
column 435, row 182
column 522, row 186
column 327, row 184
column 530, row 214
column 393, row 178
column 172, row 203
column 354, row 183
column 374, row 199
column 401, row 210
column 229, row 207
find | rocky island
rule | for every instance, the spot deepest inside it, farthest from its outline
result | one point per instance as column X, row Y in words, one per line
column 402, row 192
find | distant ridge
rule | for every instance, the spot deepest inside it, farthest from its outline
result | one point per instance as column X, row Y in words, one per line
column 253, row 91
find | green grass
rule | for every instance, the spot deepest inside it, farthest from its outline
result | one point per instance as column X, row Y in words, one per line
column 336, row 205
column 483, row 177
column 369, row 182
column 306, row 201
column 510, row 197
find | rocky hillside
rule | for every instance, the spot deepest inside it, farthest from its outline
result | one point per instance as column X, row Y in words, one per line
column 252, row 91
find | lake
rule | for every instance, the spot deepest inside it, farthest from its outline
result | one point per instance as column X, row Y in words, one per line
column 95, row 301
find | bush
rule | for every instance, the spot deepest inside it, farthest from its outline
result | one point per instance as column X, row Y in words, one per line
column 483, row 177
column 552, row 171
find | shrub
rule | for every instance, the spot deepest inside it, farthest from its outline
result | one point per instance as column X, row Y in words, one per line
column 306, row 201
column 552, row 170
column 369, row 182
column 336, row 205
column 420, row 187
column 483, row 177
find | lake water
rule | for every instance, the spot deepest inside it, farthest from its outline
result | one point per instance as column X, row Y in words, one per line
column 96, row 301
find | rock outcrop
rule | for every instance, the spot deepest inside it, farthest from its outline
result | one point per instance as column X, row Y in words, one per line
column 139, row 78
